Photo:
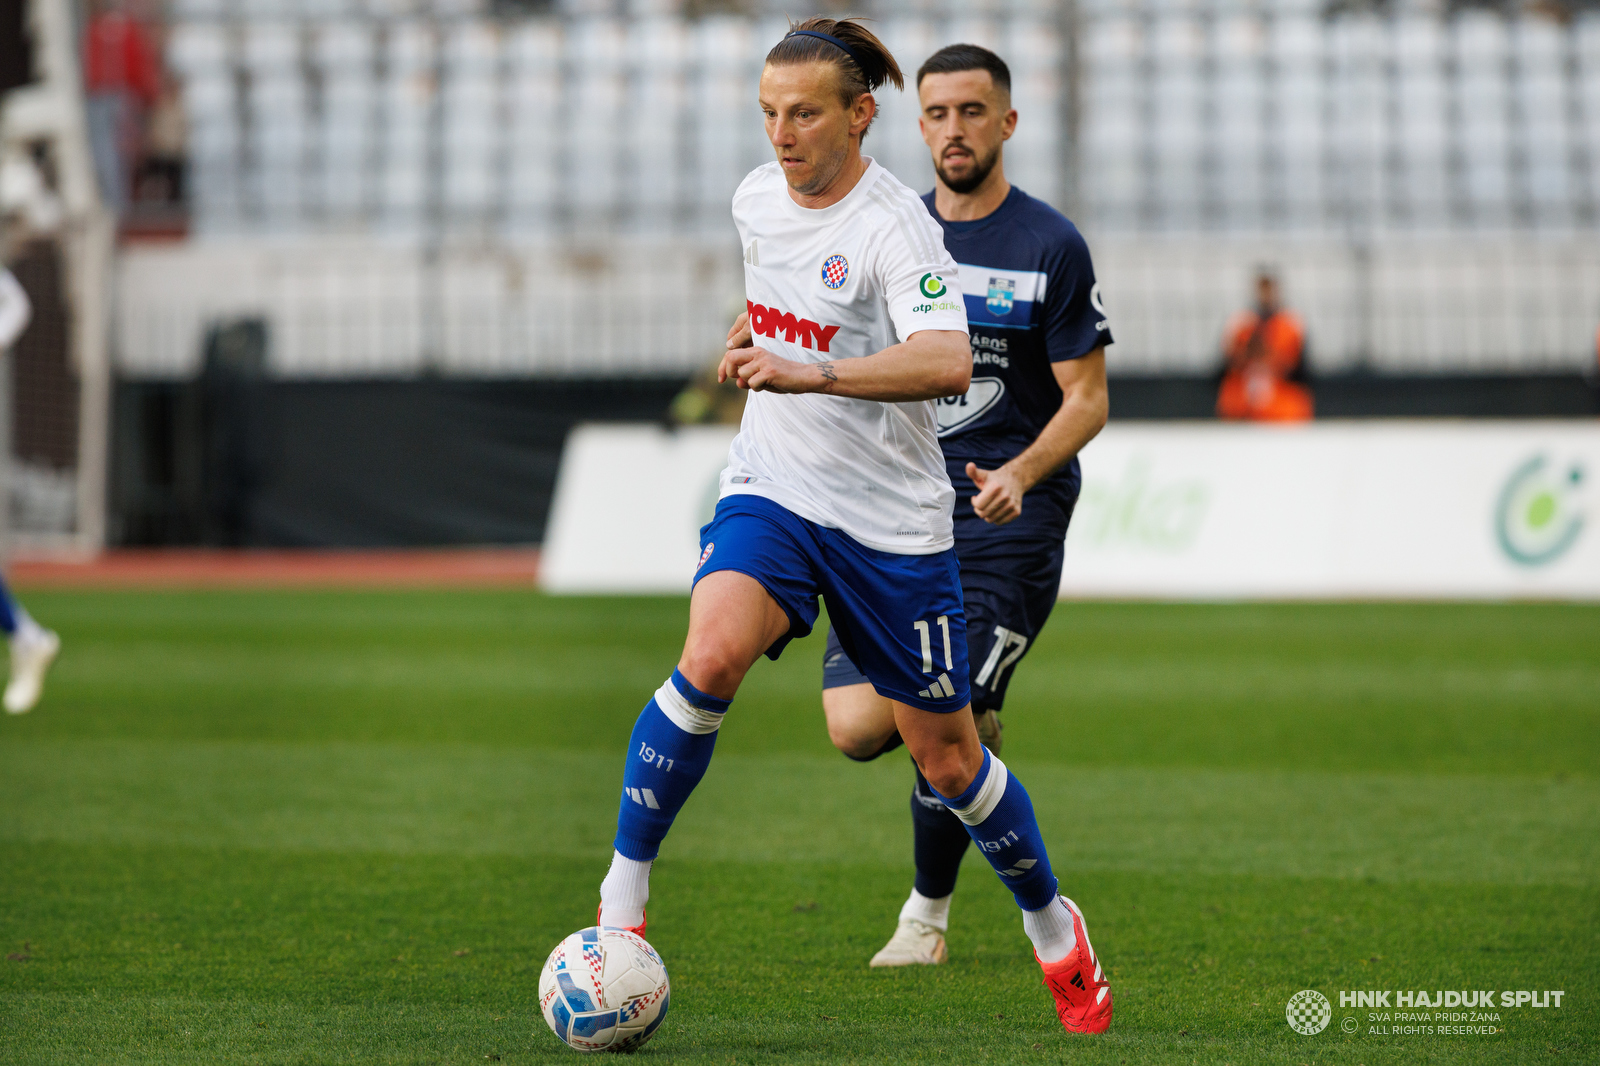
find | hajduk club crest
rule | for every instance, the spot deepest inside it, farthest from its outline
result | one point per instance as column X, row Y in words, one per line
column 835, row 271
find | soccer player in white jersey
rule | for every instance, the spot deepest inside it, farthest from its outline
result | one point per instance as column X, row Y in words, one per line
column 33, row 647
column 836, row 487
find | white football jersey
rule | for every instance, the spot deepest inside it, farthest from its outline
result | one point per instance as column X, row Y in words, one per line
column 839, row 283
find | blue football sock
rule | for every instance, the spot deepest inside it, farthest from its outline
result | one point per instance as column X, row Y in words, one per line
column 667, row 755
column 9, row 611
column 999, row 817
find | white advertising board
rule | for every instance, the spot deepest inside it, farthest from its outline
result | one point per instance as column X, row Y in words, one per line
column 1379, row 509
column 628, row 507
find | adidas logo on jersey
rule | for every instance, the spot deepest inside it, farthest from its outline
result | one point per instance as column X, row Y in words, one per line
column 768, row 321
column 939, row 690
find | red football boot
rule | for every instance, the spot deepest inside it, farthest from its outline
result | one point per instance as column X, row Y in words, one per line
column 1083, row 995
column 636, row 930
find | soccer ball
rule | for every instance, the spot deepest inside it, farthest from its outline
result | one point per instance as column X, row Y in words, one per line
column 604, row 990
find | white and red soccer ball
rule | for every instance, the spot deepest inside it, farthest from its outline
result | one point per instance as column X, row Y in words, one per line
column 604, row 989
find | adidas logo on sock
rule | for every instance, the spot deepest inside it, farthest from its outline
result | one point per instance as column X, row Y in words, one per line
column 1022, row 867
column 643, row 797
column 939, row 690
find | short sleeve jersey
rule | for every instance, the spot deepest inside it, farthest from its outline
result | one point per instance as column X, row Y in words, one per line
column 838, row 283
column 1032, row 300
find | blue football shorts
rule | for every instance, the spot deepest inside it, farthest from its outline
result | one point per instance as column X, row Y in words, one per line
column 899, row 616
column 1010, row 579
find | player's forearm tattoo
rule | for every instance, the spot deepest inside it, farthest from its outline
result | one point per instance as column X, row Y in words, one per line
column 828, row 376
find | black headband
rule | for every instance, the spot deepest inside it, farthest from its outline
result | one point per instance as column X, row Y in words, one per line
column 851, row 52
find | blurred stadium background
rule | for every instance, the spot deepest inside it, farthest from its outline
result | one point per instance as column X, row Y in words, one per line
column 379, row 255
column 361, row 270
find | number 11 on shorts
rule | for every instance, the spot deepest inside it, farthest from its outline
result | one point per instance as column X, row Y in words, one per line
column 925, row 634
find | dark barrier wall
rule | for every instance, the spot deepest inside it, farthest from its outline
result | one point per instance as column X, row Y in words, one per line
column 1379, row 396
column 237, row 459
column 351, row 463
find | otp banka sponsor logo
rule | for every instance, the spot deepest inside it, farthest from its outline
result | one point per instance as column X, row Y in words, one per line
column 958, row 411
column 1538, row 515
column 769, row 321
column 932, row 287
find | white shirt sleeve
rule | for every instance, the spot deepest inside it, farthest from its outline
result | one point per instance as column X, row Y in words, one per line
column 919, row 280
column 15, row 310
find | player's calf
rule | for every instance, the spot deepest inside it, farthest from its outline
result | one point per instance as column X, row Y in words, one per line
column 668, row 754
column 998, row 814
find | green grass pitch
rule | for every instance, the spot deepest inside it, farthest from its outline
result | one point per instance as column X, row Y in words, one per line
column 342, row 827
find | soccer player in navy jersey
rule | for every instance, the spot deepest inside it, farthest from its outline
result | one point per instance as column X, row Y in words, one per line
column 1038, row 395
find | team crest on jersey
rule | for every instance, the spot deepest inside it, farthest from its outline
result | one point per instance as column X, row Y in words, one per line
column 1002, row 293
column 706, row 554
column 932, row 286
column 835, row 271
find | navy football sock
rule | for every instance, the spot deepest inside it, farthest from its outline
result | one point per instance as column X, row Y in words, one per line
column 998, row 815
column 667, row 755
column 939, row 841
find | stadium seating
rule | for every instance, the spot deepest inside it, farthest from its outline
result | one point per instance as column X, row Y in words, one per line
column 1398, row 155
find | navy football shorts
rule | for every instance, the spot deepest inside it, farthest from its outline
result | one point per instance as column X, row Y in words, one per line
column 1010, row 579
column 899, row 616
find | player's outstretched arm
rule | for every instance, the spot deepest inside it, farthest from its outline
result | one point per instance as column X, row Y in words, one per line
column 925, row 366
column 1085, row 403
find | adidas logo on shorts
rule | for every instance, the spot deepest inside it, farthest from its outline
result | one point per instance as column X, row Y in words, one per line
column 939, row 690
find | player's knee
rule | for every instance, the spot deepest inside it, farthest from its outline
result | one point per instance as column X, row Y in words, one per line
column 714, row 670
column 946, row 770
column 860, row 722
column 853, row 742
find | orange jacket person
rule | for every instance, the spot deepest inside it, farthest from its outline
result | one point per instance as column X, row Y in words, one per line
column 1264, row 378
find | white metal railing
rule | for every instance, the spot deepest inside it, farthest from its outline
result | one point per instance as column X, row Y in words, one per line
column 1487, row 303
column 432, row 188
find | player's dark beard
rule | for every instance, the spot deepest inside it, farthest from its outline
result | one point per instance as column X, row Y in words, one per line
column 981, row 168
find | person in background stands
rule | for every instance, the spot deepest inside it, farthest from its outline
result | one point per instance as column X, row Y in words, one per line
column 1264, row 374
column 121, row 77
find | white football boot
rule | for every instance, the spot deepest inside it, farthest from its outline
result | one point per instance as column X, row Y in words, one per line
column 33, row 649
column 913, row 944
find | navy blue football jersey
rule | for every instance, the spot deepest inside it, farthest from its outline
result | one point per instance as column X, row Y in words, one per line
column 1031, row 300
